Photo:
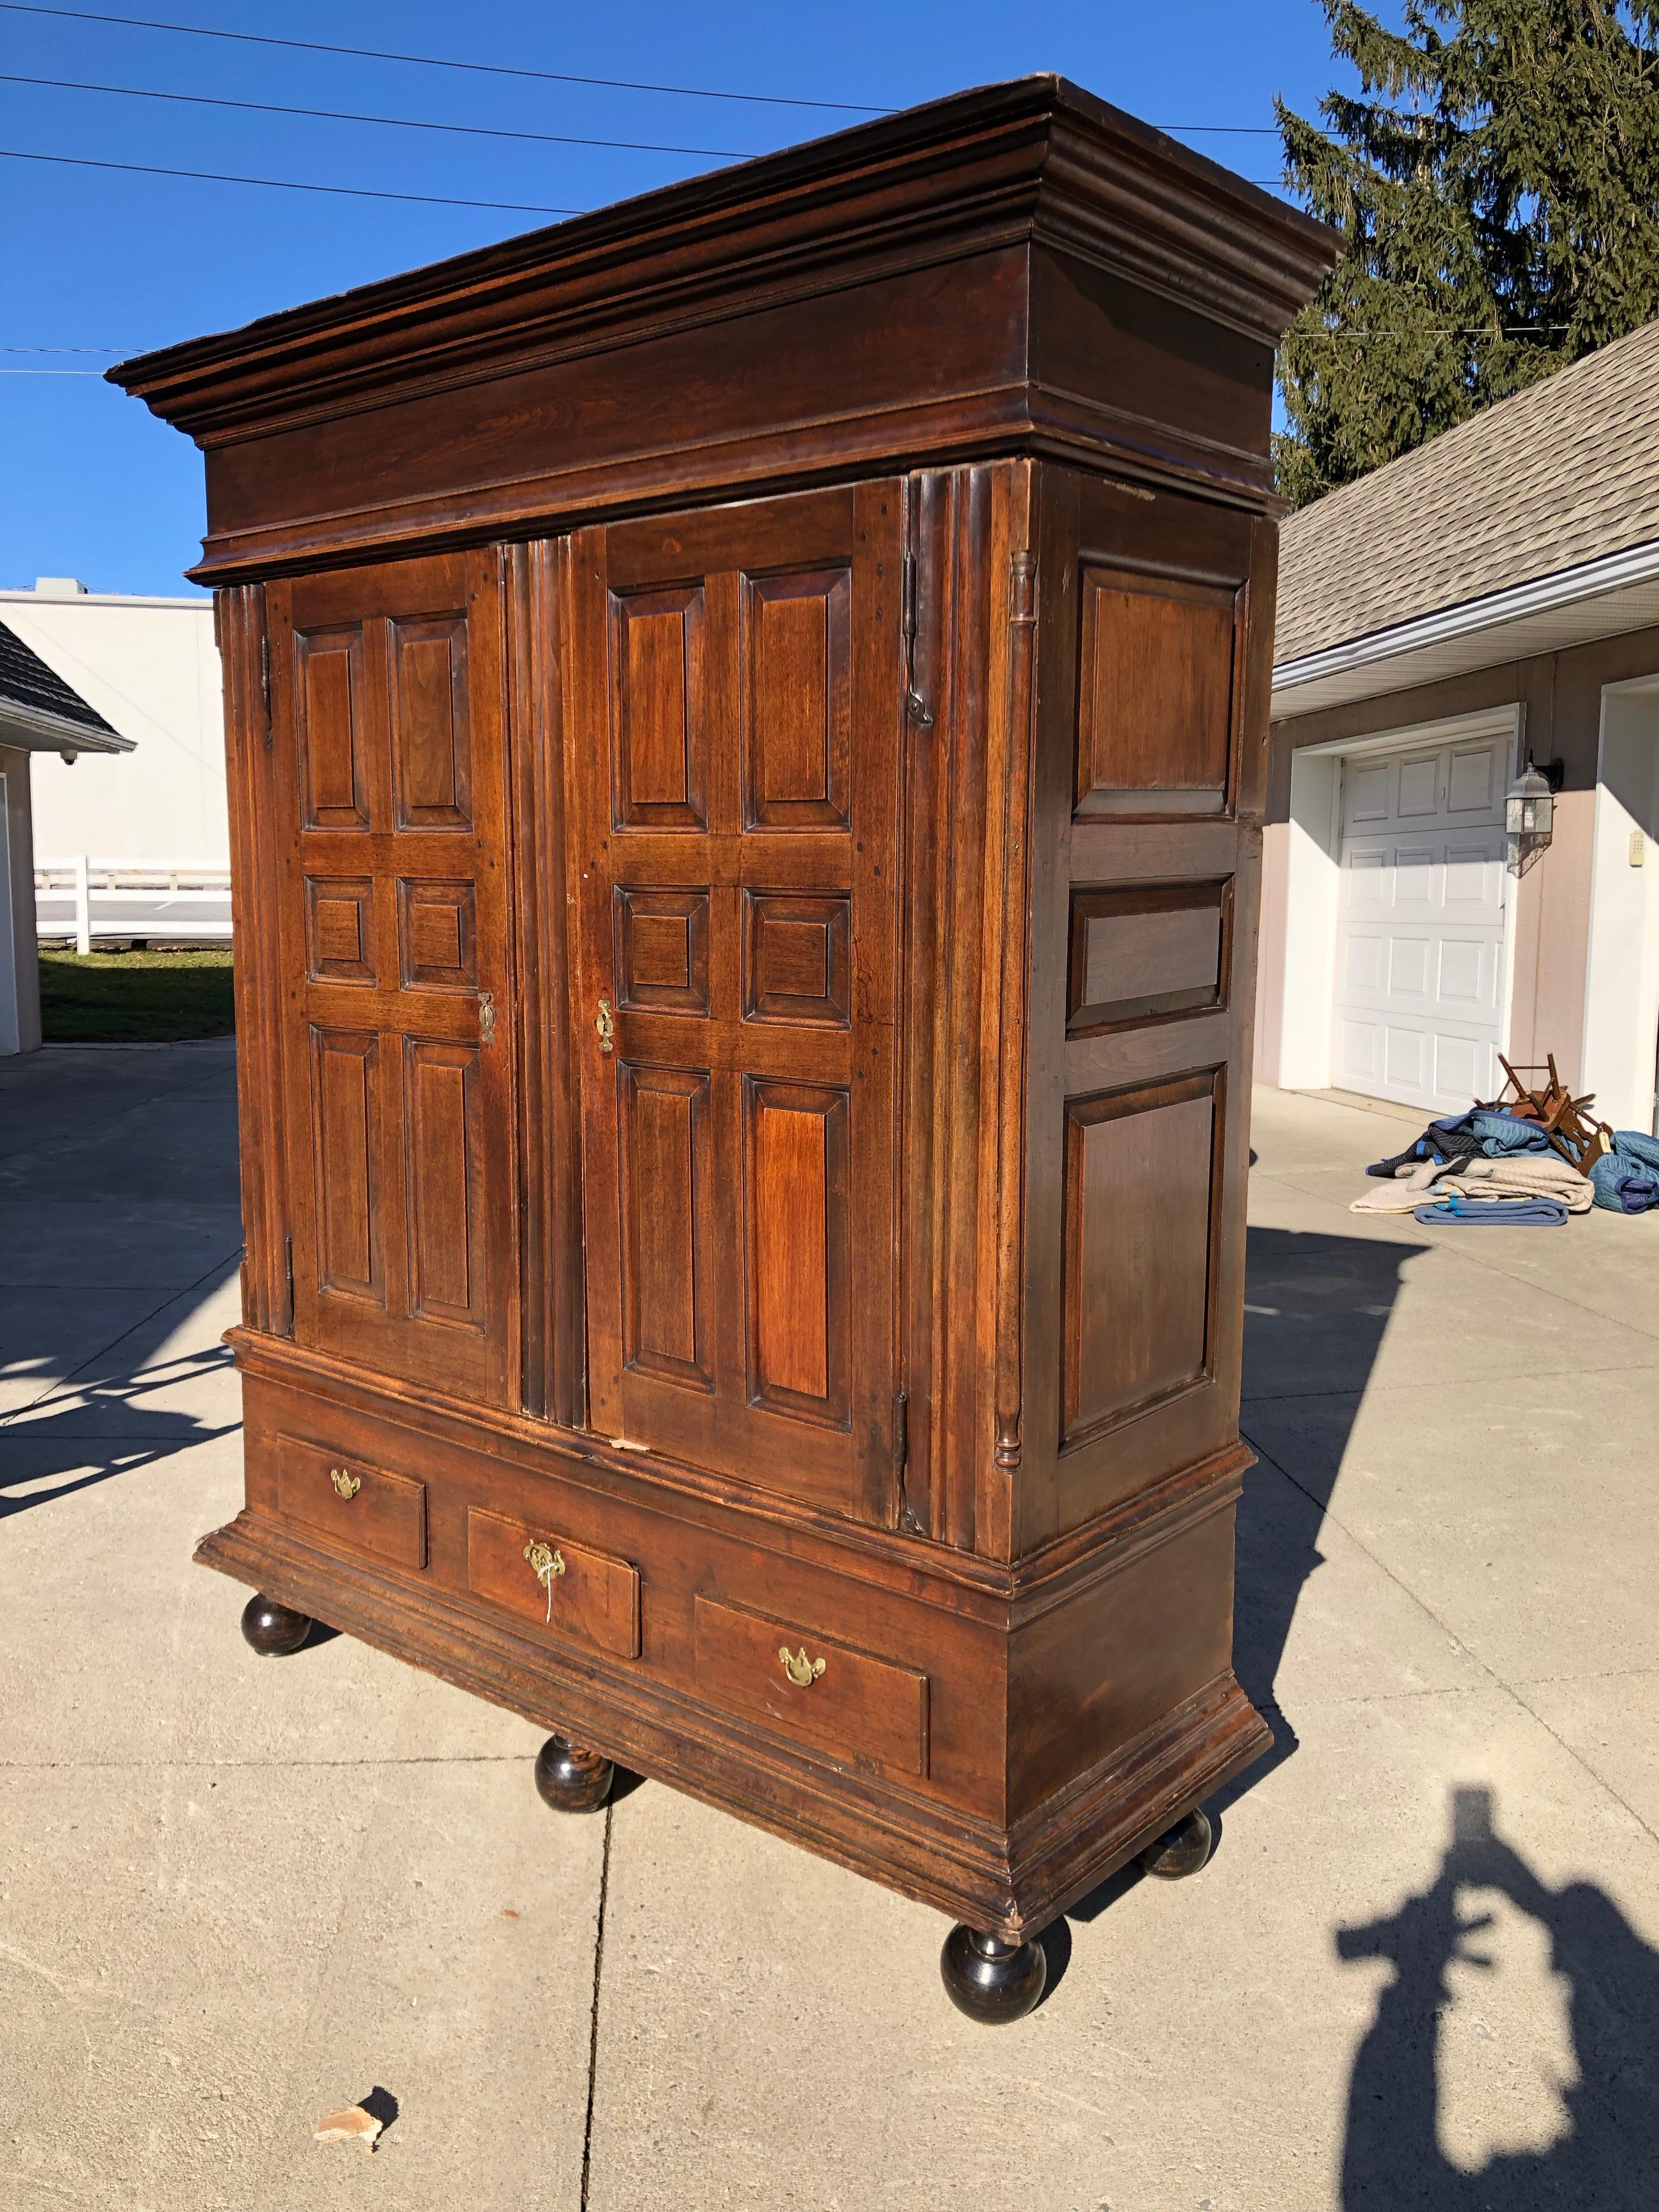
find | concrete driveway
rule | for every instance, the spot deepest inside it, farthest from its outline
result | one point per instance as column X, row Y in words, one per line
column 234, row 1894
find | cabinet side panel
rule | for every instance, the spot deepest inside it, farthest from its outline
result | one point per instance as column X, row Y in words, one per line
column 1152, row 700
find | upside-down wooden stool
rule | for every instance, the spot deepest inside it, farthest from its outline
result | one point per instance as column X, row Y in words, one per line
column 748, row 721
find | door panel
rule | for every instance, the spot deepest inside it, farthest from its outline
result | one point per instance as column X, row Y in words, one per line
column 386, row 717
column 736, row 684
column 1419, row 954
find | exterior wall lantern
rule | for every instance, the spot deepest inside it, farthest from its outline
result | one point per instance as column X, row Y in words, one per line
column 1530, row 812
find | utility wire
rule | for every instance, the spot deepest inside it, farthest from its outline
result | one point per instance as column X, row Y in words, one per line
column 544, row 76
column 281, row 184
column 398, row 122
column 434, row 61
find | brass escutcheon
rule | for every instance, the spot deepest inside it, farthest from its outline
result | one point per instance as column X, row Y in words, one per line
column 347, row 1485
column 486, row 1017
column 546, row 1562
column 802, row 1671
column 605, row 1022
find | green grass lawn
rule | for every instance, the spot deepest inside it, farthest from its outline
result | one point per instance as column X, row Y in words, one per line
column 126, row 998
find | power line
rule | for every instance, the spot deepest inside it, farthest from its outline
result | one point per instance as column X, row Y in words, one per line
column 281, row 184
column 542, row 76
column 398, row 122
column 434, row 61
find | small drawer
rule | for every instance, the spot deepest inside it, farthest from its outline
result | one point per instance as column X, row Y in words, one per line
column 867, row 1712
column 558, row 1586
column 351, row 1503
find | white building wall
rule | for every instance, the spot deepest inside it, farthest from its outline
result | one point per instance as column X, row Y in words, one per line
column 151, row 669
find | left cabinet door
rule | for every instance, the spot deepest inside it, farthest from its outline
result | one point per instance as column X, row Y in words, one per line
column 386, row 700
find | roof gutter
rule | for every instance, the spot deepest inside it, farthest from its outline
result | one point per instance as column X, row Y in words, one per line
column 1613, row 572
column 36, row 730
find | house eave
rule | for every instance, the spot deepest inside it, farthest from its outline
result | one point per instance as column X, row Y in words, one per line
column 1604, row 598
column 33, row 730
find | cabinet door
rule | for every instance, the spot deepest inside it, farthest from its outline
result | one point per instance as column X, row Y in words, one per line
column 387, row 715
column 735, row 751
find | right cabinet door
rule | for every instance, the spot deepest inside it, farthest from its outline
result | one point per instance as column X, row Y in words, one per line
column 733, row 703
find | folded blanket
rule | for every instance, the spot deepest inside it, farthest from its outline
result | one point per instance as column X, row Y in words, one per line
column 1626, row 1179
column 1513, row 1212
column 1515, row 1176
column 1521, row 1174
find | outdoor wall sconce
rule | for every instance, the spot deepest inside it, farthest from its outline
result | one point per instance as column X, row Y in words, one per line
column 1530, row 812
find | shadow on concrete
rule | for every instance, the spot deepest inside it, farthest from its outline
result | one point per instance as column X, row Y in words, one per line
column 1605, row 2157
column 1315, row 1309
column 92, row 1428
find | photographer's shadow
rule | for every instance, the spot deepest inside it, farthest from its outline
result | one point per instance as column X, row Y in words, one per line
column 1605, row 2156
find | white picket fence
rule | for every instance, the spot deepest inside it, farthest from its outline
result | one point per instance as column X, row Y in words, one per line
column 84, row 898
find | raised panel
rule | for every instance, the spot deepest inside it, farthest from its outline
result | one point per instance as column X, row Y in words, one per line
column 328, row 710
column 445, row 1170
column 797, row 958
column 797, row 696
column 431, row 747
column 340, row 929
column 1141, row 1179
column 796, row 1212
column 1146, row 953
column 1472, row 785
column 1155, row 704
column 662, row 950
column 437, row 934
column 659, row 710
column 665, row 1139
column 1418, row 782
column 344, row 1065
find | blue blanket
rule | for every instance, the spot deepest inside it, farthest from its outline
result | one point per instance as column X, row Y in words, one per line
column 1626, row 1179
column 1497, row 1213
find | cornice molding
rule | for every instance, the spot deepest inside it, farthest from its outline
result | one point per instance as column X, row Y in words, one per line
column 1037, row 159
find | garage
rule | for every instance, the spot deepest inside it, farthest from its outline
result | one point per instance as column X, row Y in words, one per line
column 1417, row 1000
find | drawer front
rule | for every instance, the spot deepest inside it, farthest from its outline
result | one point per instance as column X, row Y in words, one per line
column 561, row 1587
column 868, row 1711
column 364, row 1508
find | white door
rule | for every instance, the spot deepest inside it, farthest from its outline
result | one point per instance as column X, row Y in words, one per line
column 1419, row 941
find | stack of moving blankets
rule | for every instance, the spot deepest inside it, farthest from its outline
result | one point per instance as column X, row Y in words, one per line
column 1486, row 1167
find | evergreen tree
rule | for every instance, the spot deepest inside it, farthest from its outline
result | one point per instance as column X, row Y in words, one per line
column 1497, row 187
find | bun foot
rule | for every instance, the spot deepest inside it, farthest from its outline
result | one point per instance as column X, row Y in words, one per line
column 272, row 1629
column 990, row 1980
column 1182, row 1850
column 571, row 1780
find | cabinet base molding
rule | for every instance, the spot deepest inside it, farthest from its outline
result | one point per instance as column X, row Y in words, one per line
column 1008, row 1882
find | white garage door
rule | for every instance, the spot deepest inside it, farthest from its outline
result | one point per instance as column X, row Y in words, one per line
column 1419, row 947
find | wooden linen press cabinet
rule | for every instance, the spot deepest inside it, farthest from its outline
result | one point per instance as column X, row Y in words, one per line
column 747, row 721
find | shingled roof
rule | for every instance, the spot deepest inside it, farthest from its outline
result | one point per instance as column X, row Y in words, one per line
column 26, row 682
column 1563, row 473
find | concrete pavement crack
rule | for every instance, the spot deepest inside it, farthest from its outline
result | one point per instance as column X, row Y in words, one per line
column 593, row 2018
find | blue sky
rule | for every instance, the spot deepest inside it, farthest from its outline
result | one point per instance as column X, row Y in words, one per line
column 95, row 488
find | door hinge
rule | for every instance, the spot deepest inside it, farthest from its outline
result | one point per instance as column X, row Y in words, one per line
column 287, row 1284
column 265, row 680
column 914, row 705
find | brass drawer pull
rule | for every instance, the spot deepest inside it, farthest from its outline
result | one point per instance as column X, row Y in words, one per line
column 802, row 1671
column 348, row 1485
column 547, row 1562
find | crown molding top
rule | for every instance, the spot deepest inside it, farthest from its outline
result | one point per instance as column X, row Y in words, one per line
column 1037, row 158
